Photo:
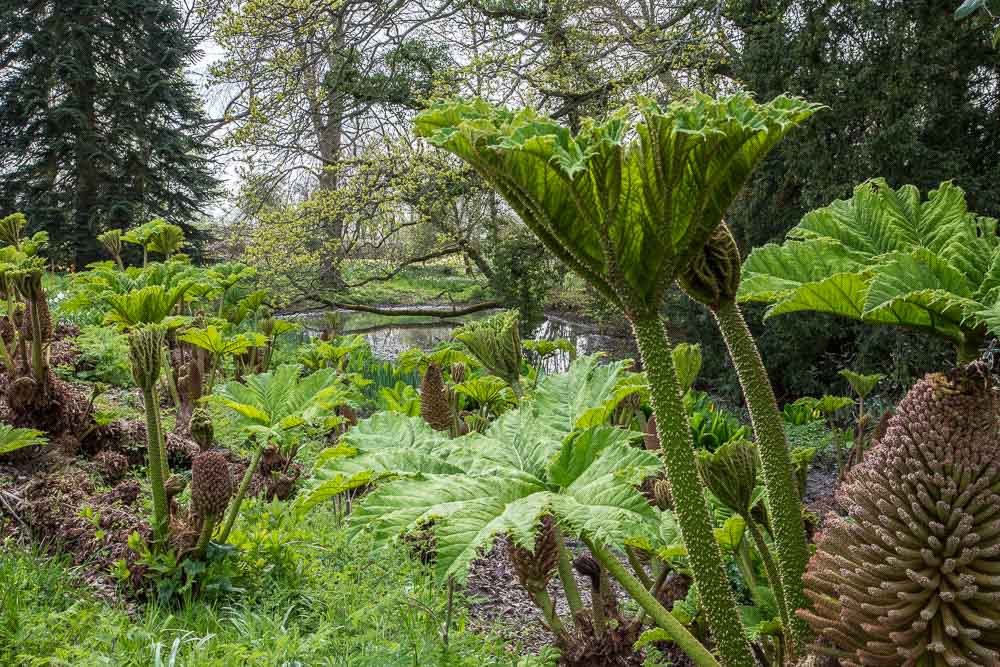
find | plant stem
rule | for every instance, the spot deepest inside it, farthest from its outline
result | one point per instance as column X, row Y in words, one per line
column 155, row 466
column 663, row 618
column 544, row 602
column 968, row 349
column 598, row 603
column 784, row 504
column 770, row 568
column 38, row 366
column 213, row 365
column 207, row 525
column 168, row 370
column 447, row 614
column 8, row 360
column 568, row 580
column 234, row 507
column 689, row 497
column 636, row 564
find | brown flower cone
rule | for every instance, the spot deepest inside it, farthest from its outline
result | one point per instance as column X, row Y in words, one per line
column 914, row 573
column 535, row 568
column 435, row 407
column 211, row 484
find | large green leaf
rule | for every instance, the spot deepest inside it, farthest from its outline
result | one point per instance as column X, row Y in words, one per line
column 623, row 204
column 529, row 463
column 467, row 510
column 147, row 305
column 215, row 341
column 886, row 257
column 280, row 400
column 12, row 439
column 568, row 401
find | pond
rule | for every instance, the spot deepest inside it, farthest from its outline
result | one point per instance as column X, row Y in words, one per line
column 389, row 336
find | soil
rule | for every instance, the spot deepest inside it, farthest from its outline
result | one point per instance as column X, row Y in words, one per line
column 70, row 511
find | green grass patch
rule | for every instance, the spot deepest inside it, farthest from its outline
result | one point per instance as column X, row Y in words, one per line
column 311, row 596
column 431, row 283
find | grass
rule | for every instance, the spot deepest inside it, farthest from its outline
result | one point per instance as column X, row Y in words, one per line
column 427, row 284
column 312, row 596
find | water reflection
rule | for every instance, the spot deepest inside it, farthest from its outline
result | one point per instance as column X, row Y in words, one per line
column 391, row 336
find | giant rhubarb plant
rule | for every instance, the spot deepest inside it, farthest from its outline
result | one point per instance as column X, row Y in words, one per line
column 628, row 207
column 272, row 408
column 534, row 462
column 912, row 576
column 886, row 256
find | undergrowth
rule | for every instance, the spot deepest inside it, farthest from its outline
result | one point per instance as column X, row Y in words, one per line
column 312, row 596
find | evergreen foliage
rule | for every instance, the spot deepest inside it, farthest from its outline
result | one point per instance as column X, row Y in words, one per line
column 98, row 126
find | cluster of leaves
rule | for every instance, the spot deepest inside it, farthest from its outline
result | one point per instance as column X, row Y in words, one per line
column 887, row 257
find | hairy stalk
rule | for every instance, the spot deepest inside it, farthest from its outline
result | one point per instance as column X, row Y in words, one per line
column 234, row 508
column 8, row 360
column 161, row 435
column 663, row 618
column 637, row 567
column 541, row 598
column 207, row 526
column 741, row 556
column 968, row 349
column 568, row 579
column 213, row 365
column 38, row 365
column 598, row 603
column 155, row 464
column 689, row 498
column 770, row 568
column 784, row 504
column 448, row 611
column 168, row 371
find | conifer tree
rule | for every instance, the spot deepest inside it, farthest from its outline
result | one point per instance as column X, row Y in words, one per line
column 99, row 128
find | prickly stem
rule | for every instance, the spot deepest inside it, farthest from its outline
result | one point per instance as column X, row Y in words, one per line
column 155, row 466
column 567, row 578
column 663, row 618
column 784, row 504
column 234, row 507
column 688, row 495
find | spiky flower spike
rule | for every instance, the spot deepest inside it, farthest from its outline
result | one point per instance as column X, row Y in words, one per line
column 713, row 275
column 202, row 429
column 145, row 352
column 211, row 484
column 211, row 489
column 912, row 576
column 435, row 407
